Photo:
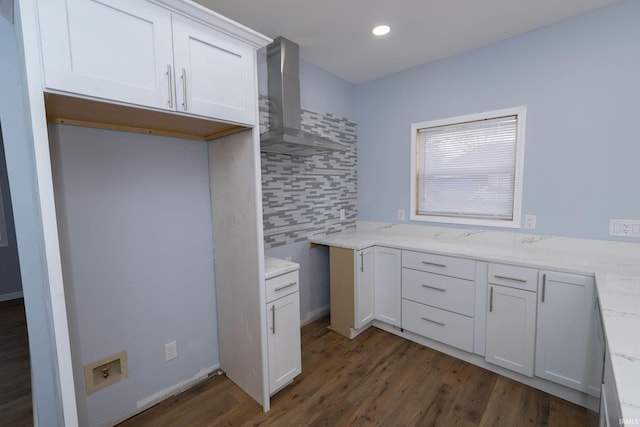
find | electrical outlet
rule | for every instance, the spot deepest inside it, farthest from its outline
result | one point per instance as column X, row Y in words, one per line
column 624, row 227
column 343, row 215
column 400, row 215
column 530, row 222
column 170, row 351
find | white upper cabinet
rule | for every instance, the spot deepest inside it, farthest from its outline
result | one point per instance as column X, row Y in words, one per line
column 215, row 73
column 140, row 53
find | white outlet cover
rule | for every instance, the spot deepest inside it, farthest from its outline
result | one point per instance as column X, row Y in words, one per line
column 401, row 215
column 170, row 351
column 530, row 222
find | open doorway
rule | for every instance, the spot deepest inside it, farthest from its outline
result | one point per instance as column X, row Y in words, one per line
column 15, row 370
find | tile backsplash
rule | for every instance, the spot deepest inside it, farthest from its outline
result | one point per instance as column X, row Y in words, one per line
column 302, row 196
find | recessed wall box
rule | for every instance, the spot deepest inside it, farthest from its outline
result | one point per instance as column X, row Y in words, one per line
column 104, row 372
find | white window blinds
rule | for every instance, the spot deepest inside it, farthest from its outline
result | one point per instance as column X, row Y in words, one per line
column 468, row 169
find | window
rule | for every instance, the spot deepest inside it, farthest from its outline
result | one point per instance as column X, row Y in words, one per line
column 468, row 170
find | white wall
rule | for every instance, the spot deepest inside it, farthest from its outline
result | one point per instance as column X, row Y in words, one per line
column 136, row 240
column 579, row 81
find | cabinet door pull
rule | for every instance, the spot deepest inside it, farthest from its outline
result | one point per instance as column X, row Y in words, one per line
column 491, row 300
column 362, row 261
column 273, row 318
column 170, row 78
column 279, row 288
column 517, row 279
column 184, row 89
column 544, row 286
column 434, row 288
column 433, row 321
column 436, row 264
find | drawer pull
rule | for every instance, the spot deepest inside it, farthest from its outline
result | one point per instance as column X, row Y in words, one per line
column 516, row 279
column 433, row 321
column 436, row 264
column 279, row 288
column 273, row 318
column 434, row 288
column 491, row 300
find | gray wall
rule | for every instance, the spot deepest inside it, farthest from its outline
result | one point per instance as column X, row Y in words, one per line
column 579, row 81
column 10, row 281
column 135, row 229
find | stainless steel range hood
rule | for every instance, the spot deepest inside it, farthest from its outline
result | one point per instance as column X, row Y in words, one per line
column 285, row 133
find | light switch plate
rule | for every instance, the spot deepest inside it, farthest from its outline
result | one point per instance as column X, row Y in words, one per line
column 624, row 227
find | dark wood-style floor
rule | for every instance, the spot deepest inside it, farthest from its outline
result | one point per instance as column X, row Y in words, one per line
column 377, row 379
column 15, row 371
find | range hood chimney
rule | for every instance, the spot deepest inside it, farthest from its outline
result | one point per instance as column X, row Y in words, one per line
column 285, row 133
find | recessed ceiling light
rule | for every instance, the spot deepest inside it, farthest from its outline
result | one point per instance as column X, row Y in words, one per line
column 381, row 30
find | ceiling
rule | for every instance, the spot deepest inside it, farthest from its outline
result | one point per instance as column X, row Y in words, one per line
column 336, row 34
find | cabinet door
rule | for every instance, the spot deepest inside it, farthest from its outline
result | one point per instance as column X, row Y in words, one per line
column 387, row 285
column 117, row 50
column 364, row 287
column 283, row 321
column 511, row 326
column 214, row 73
column 565, row 327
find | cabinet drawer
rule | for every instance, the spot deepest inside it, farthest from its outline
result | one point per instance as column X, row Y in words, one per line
column 513, row 277
column 441, row 264
column 280, row 286
column 448, row 293
column 440, row 325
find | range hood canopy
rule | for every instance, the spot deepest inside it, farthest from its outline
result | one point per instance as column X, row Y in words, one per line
column 285, row 133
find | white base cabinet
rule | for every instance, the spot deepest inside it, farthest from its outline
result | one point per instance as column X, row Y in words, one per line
column 565, row 332
column 364, row 287
column 511, row 317
column 387, row 285
column 283, row 330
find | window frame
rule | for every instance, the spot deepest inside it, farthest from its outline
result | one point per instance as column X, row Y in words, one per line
column 515, row 222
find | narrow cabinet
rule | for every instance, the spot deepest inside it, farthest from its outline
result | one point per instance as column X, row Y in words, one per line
column 364, row 287
column 511, row 318
column 283, row 330
column 387, row 285
column 566, row 347
column 141, row 53
column 351, row 289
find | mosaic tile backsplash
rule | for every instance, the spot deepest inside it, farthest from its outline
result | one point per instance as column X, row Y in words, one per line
column 302, row 196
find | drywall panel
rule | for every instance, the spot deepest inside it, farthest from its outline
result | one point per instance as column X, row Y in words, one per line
column 134, row 215
column 239, row 261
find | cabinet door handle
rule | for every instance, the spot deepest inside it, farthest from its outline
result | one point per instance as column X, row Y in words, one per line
column 491, row 300
column 170, row 78
column 184, row 89
column 517, row 279
column 362, row 261
column 433, row 321
column 544, row 286
column 434, row 288
column 273, row 318
column 437, row 264
column 279, row 288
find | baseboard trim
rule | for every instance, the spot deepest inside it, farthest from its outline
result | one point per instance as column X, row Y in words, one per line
column 11, row 296
column 314, row 315
column 173, row 390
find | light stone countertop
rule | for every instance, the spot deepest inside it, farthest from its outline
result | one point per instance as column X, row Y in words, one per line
column 616, row 266
column 274, row 267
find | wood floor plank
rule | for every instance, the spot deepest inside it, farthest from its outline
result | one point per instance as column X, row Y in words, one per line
column 377, row 379
column 15, row 369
